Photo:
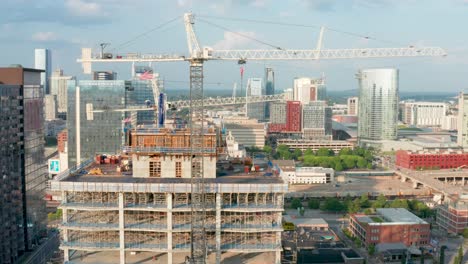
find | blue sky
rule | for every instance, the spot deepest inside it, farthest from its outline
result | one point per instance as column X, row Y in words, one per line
column 65, row 26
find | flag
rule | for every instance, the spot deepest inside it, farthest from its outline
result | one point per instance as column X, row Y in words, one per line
column 127, row 120
column 242, row 71
column 147, row 75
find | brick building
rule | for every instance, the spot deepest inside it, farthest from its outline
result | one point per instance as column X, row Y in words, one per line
column 431, row 160
column 285, row 117
column 62, row 138
column 390, row 225
column 453, row 215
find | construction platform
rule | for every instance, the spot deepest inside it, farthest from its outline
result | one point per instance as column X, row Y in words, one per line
column 118, row 212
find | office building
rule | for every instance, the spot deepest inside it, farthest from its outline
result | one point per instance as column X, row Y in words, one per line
column 43, row 61
column 255, row 88
column 462, row 138
column 390, row 225
column 353, row 106
column 302, row 175
column 452, row 215
column 378, row 106
column 58, row 87
column 22, row 164
column 316, row 121
column 423, row 113
column 436, row 159
column 142, row 93
column 305, row 144
column 140, row 206
column 285, row 117
column 247, row 134
column 269, row 89
column 307, row 90
column 104, row 76
column 450, row 122
column 50, row 107
column 288, row 94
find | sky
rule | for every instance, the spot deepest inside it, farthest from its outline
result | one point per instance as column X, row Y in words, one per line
column 65, row 26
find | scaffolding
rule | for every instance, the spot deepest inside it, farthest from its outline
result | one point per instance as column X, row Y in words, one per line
column 156, row 200
column 145, row 219
column 93, row 239
column 81, row 218
column 182, row 220
column 250, row 220
column 249, row 241
column 92, row 198
column 254, row 200
column 145, row 240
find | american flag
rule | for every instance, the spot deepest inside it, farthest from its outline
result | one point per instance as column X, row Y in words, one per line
column 242, row 71
column 147, row 75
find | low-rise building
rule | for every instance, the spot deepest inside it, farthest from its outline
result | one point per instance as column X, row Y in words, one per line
column 390, row 225
column 431, row 159
column 247, row 134
column 453, row 215
column 312, row 175
column 234, row 150
column 304, row 144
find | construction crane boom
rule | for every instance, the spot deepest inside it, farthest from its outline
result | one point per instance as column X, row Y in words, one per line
column 197, row 56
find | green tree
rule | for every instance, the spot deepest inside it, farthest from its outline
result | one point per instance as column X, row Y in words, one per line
column 369, row 211
column 308, row 152
column 349, row 162
column 399, row 203
column 345, row 151
column 380, row 202
column 325, row 152
column 364, row 201
column 297, row 154
column 371, row 250
column 369, row 165
column 465, row 232
column 267, row 149
column 301, row 211
column 332, row 205
column 338, row 166
column 313, row 204
column 361, row 163
column 296, row 203
column 354, row 207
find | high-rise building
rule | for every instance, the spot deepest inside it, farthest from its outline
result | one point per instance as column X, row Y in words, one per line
column 293, row 119
column 285, row 117
column 104, row 75
column 378, row 106
column 43, row 61
column 255, row 88
column 50, row 107
column 58, row 87
column 353, row 103
column 307, row 90
column 142, row 93
column 269, row 89
column 462, row 138
column 100, row 132
column 316, row 120
column 22, row 186
column 423, row 113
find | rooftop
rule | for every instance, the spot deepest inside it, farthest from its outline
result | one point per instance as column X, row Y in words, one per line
column 399, row 215
column 299, row 222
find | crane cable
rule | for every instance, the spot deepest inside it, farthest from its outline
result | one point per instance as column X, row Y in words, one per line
column 240, row 34
column 304, row 26
column 126, row 43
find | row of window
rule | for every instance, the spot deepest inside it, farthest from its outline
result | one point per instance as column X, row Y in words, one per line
column 155, row 169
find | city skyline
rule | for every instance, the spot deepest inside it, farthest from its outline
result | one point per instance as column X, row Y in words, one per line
column 66, row 27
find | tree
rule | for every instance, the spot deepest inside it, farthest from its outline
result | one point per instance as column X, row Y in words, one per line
column 399, row 203
column 338, row 166
column 361, row 163
column 267, row 149
column 297, row 154
column 301, row 211
column 380, row 202
column 371, row 249
column 313, row 204
column 325, row 152
column 465, row 233
column 332, row 205
column 364, row 201
column 349, row 162
column 369, row 211
column 308, row 152
column 345, row 151
column 354, row 207
column 296, row 203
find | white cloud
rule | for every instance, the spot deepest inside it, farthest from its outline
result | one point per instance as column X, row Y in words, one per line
column 44, row 36
column 84, row 8
column 259, row 3
column 235, row 41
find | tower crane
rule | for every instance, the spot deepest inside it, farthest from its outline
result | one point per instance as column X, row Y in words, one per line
column 197, row 56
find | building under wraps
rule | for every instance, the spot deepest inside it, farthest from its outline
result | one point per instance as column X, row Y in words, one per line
column 140, row 202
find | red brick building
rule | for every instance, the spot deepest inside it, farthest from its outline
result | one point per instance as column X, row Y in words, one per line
column 453, row 216
column 62, row 138
column 390, row 225
column 293, row 119
column 431, row 160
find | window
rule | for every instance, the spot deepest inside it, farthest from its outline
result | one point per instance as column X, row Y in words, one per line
column 155, row 169
column 178, row 169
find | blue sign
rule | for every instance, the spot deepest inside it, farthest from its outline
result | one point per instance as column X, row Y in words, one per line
column 54, row 166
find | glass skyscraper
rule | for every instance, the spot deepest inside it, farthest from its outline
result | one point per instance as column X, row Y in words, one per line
column 43, row 61
column 255, row 88
column 269, row 89
column 378, row 106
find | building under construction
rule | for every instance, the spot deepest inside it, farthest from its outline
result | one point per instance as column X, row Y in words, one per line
column 140, row 201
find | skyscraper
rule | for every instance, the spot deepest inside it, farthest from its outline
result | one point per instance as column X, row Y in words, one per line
column 58, row 87
column 43, row 61
column 142, row 93
column 353, row 103
column 462, row 138
column 307, row 90
column 316, row 120
column 22, row 165
column 378, row 106
column 255, row 88
column 104, row 75
column 269, row 89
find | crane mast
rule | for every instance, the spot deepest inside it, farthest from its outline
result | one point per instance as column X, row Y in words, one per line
column 197, row 56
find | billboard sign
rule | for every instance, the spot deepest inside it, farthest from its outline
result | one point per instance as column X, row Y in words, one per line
column 54, row 166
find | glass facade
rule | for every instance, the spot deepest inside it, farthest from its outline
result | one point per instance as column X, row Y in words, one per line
column 255, row 88
column 141, row 93
column 11, row 181
column 43, row 61
column 103, row 134
column 58, row 87
column 378, row 105
column 269, row 89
